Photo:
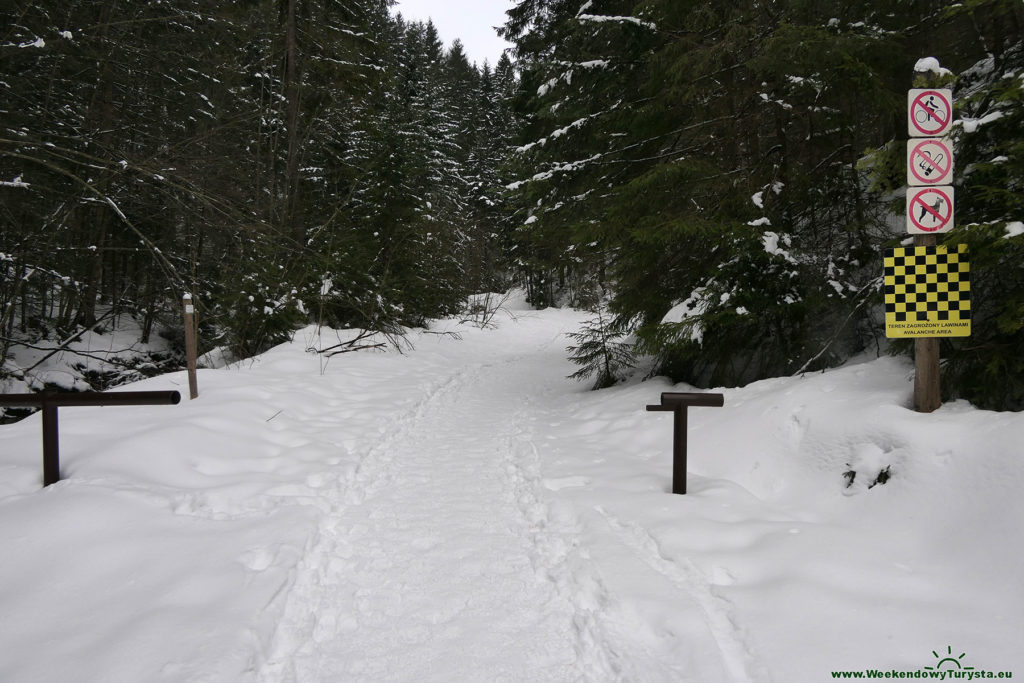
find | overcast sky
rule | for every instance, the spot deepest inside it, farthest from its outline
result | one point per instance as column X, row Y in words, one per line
column 471, row 21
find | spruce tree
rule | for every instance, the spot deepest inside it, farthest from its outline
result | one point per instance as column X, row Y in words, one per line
column 988, row 367
column 715, row 155
column 601, row 350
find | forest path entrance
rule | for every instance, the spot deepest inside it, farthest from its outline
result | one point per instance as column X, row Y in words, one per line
column 445, row 554
column 437, row 560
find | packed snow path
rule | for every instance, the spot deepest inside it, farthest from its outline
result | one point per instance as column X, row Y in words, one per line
column 432, row 564
column 437, row 560
column 463, row 512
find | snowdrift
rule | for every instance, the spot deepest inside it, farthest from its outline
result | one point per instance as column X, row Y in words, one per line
column 462, row 511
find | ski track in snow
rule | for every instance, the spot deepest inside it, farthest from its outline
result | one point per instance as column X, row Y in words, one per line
column 442, row 550
column 466, row 513
column 556, row 535
column 439, row 550
column 375, row 596
column 737, row 657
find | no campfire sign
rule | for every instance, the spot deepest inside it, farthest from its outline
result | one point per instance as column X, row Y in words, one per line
column 929, row 162
column 929, row 210
column 931, row 112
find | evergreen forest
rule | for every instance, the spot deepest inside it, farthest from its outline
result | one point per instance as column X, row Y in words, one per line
column 716, row 181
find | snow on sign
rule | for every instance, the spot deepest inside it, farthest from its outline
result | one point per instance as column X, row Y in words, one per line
column 929, row 210
column 931, row 112
column 929, row 162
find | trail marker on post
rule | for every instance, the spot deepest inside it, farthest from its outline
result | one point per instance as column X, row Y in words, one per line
column 677, row 403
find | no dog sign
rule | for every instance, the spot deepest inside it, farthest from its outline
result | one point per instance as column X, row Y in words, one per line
column 929, row 210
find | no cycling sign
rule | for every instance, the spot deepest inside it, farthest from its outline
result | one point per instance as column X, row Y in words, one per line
column 931, row 112
column 929, row 210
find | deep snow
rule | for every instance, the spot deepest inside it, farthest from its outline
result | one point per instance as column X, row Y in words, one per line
column 463, row 512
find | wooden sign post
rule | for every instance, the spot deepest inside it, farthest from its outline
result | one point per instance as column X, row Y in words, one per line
column 929, row 114
column 927, row 287
column 190, row 346
column 927, row 387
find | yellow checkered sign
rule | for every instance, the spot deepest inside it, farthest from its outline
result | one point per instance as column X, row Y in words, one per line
column 927, row 292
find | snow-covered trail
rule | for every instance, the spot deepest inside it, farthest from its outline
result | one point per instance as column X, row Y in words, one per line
column 463, row 512
column 445, row 555
column 428, row 564
column 388, row 517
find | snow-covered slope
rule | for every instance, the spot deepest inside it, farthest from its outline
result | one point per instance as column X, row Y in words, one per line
column 109, row 353
column 462, row 512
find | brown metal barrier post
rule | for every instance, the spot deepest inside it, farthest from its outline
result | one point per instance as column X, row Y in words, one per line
column 677, row 403
column 49, row 402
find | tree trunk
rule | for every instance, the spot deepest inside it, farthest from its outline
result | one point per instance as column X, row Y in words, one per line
column 292, row 221
column 87, row 303
column 99, row 121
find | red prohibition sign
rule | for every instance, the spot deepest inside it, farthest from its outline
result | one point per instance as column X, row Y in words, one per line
column 921, row 209
column 939, row 164
column 927, row 115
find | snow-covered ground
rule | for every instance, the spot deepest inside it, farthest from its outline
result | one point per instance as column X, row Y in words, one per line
column 110, row 352
column 462, row 512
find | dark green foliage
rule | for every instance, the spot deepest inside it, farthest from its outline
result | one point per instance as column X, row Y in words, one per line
column 601, row 351
column 255, row 306
column 706, row 132
column 987, row 368
column 748, row 161
column 756, row 293
column 287, row 161
column 984, row 368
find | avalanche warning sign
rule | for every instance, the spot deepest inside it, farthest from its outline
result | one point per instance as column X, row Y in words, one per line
column 927, row 292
